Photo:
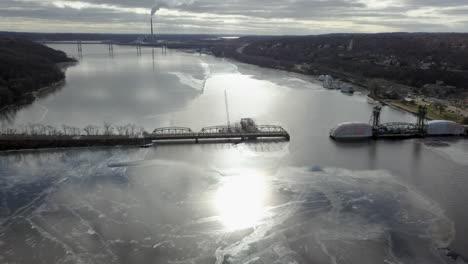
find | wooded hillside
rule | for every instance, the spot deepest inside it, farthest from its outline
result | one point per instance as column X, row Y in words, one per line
column 26, row 66
column 413, row 59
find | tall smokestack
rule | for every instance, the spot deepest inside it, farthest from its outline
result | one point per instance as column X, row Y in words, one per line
column 152, row 36
column 154, row 9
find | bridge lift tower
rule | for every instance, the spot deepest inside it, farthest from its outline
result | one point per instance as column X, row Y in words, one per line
column 227, row 110
column 421, row 123
column 376, row 116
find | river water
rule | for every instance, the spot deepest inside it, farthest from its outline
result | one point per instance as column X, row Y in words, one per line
column 310, row 200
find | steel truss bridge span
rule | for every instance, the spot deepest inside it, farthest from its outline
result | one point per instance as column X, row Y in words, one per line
column 219, row 132
column 172, row 131
column 397, row 129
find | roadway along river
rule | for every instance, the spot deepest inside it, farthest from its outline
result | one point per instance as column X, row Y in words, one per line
column 310, row 200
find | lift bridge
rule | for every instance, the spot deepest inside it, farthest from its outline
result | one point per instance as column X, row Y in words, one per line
column 398, row 129
column 247, row 130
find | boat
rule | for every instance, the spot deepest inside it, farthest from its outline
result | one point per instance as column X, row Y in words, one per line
column 347, row 88
column 328, row 81
column 146, row 145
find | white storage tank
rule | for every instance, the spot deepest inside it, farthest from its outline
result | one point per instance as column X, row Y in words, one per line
column 444, row 128
column 351, row 130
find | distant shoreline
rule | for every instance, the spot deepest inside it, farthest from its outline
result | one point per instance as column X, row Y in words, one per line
column 358, row 81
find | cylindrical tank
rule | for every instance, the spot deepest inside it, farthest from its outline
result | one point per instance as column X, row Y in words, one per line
column 444, row 128
column 351, row 130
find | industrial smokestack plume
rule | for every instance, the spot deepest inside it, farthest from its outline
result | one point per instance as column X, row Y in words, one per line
column 166, row 4
column 154, row 9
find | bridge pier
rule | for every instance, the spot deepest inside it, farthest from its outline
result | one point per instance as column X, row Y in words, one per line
column 196, row 140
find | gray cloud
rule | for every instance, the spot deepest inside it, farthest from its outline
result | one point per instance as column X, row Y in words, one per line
column 234, row 16
column 436, row 3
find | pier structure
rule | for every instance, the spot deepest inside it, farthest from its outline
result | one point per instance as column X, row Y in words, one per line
column 138, row 49
column 80, row 49
column 111, row 49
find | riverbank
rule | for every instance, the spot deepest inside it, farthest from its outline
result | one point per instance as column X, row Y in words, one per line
column 19, row 142
column 30, row 97
column 385, row 88
column 432, row 113
column 28, row 67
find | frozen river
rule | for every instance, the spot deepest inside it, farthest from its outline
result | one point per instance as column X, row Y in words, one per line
column 310, row 200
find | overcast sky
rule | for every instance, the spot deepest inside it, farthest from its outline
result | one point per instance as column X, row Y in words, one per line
column 298, row 17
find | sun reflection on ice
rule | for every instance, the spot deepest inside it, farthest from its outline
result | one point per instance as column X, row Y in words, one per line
column 240, row 200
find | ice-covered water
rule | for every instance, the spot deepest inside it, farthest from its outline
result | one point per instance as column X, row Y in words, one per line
column 310, row 200
column 79, row 207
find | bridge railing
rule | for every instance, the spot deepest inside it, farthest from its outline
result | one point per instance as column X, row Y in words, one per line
column 397, row 128
column 271, row 129
column 175, row 131
column 220, row 131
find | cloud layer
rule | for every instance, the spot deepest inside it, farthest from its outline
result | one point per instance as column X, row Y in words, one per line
column 235, row 16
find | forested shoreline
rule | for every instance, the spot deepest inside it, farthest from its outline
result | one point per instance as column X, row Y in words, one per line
column 433, row 64
column 25, row 67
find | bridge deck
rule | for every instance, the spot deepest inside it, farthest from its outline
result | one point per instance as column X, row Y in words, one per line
column 241, row 135
column 218, row 132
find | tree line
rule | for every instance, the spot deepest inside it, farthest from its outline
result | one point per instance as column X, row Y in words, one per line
column 107, row 129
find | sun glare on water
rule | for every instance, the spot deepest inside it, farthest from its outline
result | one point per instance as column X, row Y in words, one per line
column 240, row 200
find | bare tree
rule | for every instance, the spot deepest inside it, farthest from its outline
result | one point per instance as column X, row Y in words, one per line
column 23, row 129
column 75, row 131
column 66, row 130
column 8, row 131
column 108, row 129
column 132, row 129
column 439, row 106
column 140, row 131
column 121, row 129
column 127, row 130
column 373, row 86
column 91, row 130
column 51, row 130
column 41, row 129
column 32, row 128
